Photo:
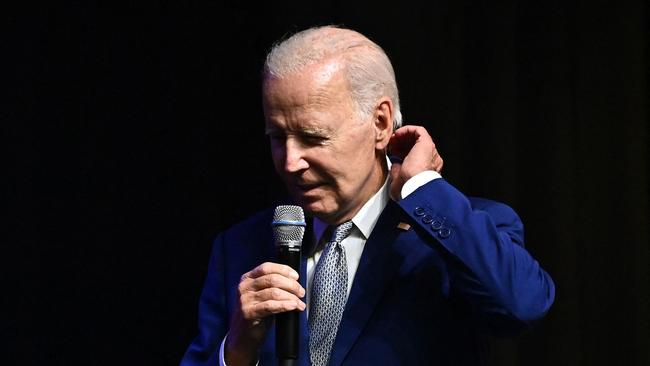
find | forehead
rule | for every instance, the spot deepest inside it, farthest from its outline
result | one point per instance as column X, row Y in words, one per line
column 314, row 86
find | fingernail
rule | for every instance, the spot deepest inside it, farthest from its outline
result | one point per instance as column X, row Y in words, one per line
column 301, row 305
column 395, row 159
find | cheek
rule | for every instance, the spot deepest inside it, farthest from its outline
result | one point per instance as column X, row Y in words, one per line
column 348, row 166
column 361, row 157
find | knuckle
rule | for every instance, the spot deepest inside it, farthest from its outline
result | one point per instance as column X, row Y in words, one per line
column 262, row 267
column 267, row 306
column 241, row 288
column 276, row 293
column 266, row 282
column 273, row 280
column 245, row 297
column 247, row 312
column 246, row 302
column 244, row 287
column 266, row 267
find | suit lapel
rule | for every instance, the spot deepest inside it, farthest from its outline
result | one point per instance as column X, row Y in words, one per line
column 374, row 273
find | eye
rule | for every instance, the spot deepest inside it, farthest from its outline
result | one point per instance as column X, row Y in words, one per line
column 312, row 139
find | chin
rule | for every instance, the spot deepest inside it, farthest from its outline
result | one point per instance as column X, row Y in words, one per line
column 313, row 209
column 316, row 209
column 316, row 203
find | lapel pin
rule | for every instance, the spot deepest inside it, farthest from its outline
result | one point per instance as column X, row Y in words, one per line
column 403, row 226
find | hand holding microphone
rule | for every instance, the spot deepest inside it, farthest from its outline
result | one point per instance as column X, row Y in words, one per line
column 270, row 289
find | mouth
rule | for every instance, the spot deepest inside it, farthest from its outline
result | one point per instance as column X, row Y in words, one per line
column 306, row 187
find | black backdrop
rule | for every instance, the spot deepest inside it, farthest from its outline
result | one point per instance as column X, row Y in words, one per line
column 134, row 135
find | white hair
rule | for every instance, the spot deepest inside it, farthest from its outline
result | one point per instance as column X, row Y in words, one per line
column 368, row 70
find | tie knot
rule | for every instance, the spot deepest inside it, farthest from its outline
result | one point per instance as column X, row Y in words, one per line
column 342, row 231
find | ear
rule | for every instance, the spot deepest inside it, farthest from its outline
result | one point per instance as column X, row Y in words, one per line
column 383, row 122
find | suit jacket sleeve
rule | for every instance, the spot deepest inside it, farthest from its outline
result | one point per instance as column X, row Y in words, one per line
column 482, row 242
column 213, row 319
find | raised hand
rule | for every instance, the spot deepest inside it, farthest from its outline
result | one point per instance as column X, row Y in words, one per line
column 415, row 153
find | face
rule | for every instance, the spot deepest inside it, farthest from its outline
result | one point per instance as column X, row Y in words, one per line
column 327, row 156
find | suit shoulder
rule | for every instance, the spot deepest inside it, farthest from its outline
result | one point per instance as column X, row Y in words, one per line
column 246, row 243
column 251, row 226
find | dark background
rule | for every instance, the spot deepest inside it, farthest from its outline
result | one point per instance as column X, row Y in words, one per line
column 134, row 135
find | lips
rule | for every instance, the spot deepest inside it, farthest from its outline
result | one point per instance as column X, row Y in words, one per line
column 307, row 186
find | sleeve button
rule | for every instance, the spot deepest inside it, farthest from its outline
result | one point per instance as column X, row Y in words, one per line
column 444, row 232
column 419, row 211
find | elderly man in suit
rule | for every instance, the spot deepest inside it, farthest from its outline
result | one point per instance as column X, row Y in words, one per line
column 399, row 268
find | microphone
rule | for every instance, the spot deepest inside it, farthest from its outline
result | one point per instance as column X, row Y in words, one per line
column 288, row 230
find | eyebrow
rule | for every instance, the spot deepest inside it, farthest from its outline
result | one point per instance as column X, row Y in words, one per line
column 311, row 130
column 316, row 131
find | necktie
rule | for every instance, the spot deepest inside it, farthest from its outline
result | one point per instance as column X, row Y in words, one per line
column 328, row 296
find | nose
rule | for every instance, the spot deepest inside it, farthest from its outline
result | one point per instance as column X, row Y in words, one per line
column 292, row 156
column 295, row 160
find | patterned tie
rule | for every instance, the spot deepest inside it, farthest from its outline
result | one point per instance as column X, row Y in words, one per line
column 328, row 296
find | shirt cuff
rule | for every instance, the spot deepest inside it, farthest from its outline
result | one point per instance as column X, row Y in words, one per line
column 418, row 181
column 222, row 359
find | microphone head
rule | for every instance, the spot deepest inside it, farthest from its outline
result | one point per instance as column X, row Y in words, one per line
column 288, row 225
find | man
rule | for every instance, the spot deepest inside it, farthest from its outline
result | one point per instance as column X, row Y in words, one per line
column 420, row 273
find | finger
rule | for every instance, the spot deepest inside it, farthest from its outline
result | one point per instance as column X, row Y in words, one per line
column 405, row 138
column 269, row 294
column 266, row 308
column 401, row 142
column 410, row 132
column 273, row 280
column 438, row 162
column 269, row 268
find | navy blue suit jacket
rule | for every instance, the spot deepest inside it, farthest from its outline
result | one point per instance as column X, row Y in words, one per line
column 423, row 296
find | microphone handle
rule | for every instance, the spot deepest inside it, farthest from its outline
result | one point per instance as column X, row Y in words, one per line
column 287, row 324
